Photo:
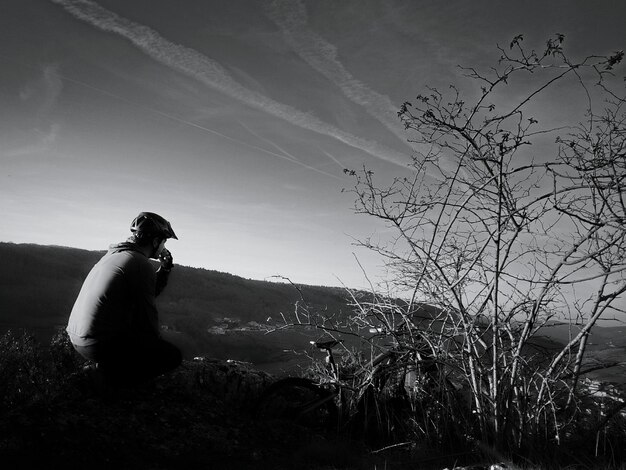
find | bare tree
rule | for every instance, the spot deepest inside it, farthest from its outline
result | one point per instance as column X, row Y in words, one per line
column 506, row 222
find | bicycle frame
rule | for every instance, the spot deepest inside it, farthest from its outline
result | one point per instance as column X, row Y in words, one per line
column 304, row 397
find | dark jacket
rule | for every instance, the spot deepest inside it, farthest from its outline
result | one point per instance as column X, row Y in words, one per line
column 117, row 299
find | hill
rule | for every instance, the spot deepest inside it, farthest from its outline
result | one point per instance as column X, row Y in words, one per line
column 38, row 285
column 207, row 312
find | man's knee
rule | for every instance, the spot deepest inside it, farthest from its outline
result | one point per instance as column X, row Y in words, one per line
column 87, row 352
column 173, row 355
column 164, row 356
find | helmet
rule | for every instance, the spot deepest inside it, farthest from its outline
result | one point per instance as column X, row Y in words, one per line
column 149, row 223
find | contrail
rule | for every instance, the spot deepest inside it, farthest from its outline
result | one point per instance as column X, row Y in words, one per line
column 268, row 141
column 55, row 73
column 332, row 157
column 288, row 156
column 211, row 73
column 291, row 17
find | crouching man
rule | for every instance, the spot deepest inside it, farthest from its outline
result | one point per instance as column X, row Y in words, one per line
column 114, row 321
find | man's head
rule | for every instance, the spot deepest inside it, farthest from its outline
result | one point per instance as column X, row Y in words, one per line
column 151, row 230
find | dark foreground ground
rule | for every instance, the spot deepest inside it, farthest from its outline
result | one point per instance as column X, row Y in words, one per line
column 200, row 417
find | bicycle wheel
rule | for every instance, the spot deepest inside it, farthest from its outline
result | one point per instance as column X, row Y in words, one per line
column 298, row 400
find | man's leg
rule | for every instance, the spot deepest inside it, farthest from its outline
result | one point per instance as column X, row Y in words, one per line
column 127, row 362
column 159, row 357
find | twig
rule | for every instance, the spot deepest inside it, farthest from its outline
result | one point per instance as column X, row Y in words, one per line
column 402, row 444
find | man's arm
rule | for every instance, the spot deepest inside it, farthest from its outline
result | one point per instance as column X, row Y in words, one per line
column 146, row 320
column 163, row 273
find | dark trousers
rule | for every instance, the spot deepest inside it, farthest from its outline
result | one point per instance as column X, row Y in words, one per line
column 128, row 362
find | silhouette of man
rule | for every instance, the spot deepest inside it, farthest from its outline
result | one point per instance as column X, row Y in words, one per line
column 114, row 321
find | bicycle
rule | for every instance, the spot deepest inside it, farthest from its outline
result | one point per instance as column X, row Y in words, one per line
column 324, row 404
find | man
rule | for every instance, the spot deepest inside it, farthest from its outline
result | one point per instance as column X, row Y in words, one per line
column 114, row 321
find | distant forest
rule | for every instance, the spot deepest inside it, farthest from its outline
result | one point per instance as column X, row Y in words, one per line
column 38, row 285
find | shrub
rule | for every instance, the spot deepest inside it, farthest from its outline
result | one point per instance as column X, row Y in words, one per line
column 24, row 377
column 31, row 373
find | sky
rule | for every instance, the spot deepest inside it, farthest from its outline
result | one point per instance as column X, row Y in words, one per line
column 235, row 119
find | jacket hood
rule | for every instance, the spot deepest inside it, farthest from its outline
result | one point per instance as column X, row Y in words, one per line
column 124, row 246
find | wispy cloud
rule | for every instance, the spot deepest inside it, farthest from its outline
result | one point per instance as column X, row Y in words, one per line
column 291, row 17
column 53, row 86
column 42, row 143
column 46, row 89
column 44, row 92
column 211, row 73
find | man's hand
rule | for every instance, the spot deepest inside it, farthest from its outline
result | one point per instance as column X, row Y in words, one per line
column 166, row 259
